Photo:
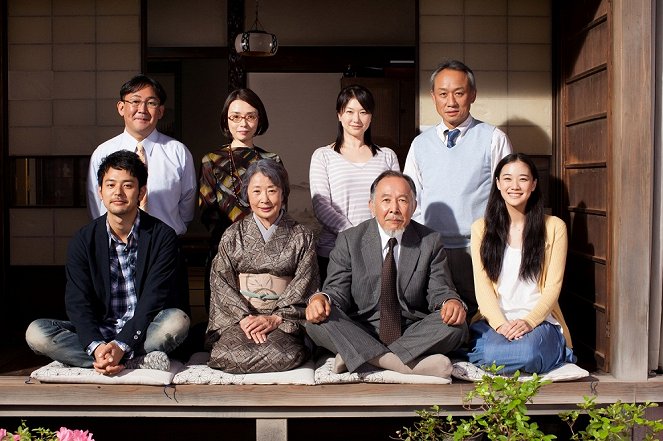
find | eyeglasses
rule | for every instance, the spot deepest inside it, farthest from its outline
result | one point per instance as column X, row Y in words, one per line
column 151, row 104
column 249, row 118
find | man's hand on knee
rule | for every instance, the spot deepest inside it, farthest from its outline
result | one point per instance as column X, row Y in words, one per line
column 452, row 312
column 318, row 308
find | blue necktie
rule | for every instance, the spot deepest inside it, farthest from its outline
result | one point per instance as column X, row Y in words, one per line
column 451, row 137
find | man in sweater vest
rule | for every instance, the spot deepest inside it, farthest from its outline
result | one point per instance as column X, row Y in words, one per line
column 452, row 165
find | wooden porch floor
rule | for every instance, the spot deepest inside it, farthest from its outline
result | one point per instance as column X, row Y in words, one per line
column 300, row 408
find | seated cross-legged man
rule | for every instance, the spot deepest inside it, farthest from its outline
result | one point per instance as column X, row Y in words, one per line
column 388, row 299
column 121, row 290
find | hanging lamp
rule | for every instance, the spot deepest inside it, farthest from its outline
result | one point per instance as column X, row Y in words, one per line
column 256, row 42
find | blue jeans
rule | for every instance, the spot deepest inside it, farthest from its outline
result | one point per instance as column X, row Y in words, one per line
column 57, row 339
column 539, row 351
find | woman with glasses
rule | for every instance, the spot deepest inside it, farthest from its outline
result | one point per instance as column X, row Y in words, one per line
column 518, row 256
column 341, row 173
column 243, row 117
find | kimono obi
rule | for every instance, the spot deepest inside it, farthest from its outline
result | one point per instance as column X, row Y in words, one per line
column 262, row 291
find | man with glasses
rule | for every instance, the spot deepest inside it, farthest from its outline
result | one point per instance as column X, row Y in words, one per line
column 171, row 183
column 171, row 186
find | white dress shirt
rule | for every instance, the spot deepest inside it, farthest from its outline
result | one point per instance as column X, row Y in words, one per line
column 171, row 181
column 384, row 240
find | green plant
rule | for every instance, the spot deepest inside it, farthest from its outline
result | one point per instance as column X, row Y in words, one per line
column 501, row 417
column 614, row 422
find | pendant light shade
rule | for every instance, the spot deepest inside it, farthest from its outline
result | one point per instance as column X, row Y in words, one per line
column 256, row 42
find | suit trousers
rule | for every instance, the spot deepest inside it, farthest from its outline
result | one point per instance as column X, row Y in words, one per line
column 358, row 344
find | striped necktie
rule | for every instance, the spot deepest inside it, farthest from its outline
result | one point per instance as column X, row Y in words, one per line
column 451, row 137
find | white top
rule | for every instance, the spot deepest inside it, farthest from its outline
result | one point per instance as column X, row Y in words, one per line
column 517, row 297
column 171, row 181
column 340, row 190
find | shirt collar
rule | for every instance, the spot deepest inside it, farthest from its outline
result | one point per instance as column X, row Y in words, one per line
column 442, row 128
column 132, row 234
column 384, row 237
column 129, row 142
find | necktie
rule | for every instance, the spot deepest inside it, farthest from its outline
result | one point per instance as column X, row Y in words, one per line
column 390, row 310
column 451, row 137
column 140, row 151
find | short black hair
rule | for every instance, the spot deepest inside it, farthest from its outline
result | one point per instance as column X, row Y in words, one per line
column 140, row 82
column 393, row 174
column 123, row 160
column 273, row 170
column 250, row 97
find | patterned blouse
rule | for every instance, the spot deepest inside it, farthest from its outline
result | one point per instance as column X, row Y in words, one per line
column 219, row 194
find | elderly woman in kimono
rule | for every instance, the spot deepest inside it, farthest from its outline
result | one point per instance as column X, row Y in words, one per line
column 261, row 277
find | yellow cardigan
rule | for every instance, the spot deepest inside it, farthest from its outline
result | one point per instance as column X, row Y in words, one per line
column 550, row 281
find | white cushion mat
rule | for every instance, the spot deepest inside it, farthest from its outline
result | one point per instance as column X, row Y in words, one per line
column 57, row 372
column 324, row 375
column 464, row 370
column 196, row 371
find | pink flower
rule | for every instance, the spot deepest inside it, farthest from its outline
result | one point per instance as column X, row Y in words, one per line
column 3, row 433
column 65, row 434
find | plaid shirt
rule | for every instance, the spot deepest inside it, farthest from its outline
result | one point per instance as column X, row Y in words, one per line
column 123, row 258
column 221, row 181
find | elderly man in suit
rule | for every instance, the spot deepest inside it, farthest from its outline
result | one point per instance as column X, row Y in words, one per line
column 389, row 300
column 120, row 294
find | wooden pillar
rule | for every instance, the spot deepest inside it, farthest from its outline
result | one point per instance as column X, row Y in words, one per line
column 271, row 429
column 631, row 185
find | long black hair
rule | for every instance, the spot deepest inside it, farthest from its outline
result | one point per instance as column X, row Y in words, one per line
column 365, row 98
column 498, row 222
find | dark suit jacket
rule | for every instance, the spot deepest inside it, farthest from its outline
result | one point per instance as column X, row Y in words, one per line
column 88, row 296
column 355, row 271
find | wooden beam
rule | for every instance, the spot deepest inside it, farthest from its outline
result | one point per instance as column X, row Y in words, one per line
column 290, row 401
column 364, row 59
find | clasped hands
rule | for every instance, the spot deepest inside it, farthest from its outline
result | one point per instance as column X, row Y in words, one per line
column 514, row 329
column 256, row 327
column 107, row 357
column 318, row 310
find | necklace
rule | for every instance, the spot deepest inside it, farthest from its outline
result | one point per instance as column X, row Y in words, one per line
column 234, row 174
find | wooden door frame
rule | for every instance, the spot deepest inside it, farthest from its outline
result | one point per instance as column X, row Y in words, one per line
column 4, row 167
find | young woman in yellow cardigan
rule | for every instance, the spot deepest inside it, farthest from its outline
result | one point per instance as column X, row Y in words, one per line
column 518, row 257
